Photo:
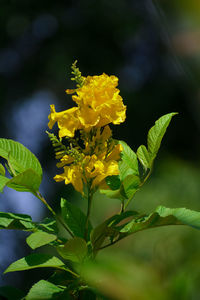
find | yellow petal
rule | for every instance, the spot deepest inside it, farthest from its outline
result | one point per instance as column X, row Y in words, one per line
column 88, row 117
column 115, row 154
column 110, row 168
column 72, row 174
column 68, row 122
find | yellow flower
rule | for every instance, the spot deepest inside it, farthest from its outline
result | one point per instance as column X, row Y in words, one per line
column 72, row 174
column 99, row 102
column 98, row 170
column 109, row 168
column 67, row 121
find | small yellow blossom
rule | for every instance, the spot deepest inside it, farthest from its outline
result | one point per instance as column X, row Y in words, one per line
column 110, row 168
column 72, row 174
column 67, row 121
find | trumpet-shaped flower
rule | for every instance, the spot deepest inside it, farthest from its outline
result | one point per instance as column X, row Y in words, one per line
column 67, row 121
column 72, row 174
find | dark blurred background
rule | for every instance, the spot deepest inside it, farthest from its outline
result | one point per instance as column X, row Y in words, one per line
column 153, row 47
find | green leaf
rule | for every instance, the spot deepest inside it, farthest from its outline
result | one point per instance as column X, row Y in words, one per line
column 143, row 156
column 48, row 225
column 113, row 182
column 75, row 250
column 123, row 186
column 19, row 157
column 10, row 293
column 3, row 181
column 40, row 238
column 35, row 261
column 108, row 229
column 60, row 277
column 131, row 184
column 164, row 216
column 44, row 290
column 116, row 194
column 74, row 218
column 16, row 221
column 156, row 134
column 2, row 170
column 25, row 182
column 128, row 164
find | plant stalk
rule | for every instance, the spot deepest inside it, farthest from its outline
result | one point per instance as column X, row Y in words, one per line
column 40, row 197
column 90, row 195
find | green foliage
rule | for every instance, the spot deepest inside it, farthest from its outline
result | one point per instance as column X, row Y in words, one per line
column 19, row 157
column 35, row 261
column 44, row 290
column 164, row 216
column 108, row 229
column 135, row 168
column 28, row 181
column 156, row 134
column 16, row 221
column 129, row 164
column 2, row 170
column 144, row 158
column 23, row 166
column 47, row 225
column 87, row 277
column 113, row 230
column 122, row 186
column 74, row 218
column 74, row 250
column 40, row 238
column 3, row 182
column 24, row 222
column 147, row 155
column 113, row 182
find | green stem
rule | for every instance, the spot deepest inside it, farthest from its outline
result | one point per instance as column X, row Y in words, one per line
column 141, row 184
column 70, row 271
column 127, row 203
column 40, row 197
column 89, row 198
column 122, row 207
column 110, row 244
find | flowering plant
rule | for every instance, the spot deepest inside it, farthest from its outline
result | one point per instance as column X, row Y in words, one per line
column 92, row 160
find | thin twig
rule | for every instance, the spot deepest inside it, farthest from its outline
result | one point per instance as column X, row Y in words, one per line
column 90, row 194
column 40, row 197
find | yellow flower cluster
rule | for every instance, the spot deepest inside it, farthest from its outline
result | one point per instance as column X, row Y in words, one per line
column 95, row 156
column 97, row 160
column 99, row 104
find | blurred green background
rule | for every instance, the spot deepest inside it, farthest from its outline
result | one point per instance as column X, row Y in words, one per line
column 154, row 49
